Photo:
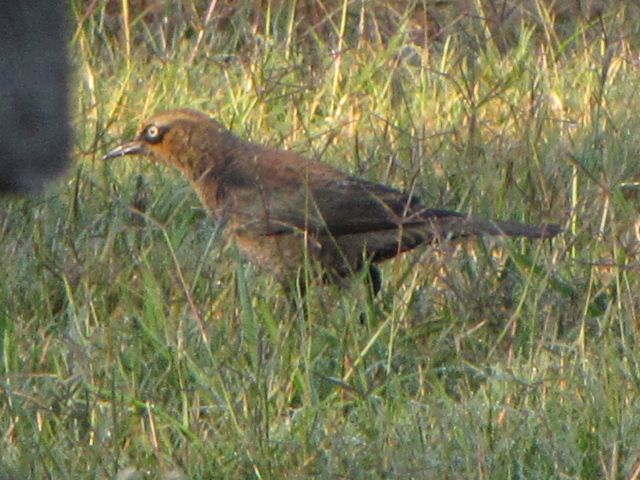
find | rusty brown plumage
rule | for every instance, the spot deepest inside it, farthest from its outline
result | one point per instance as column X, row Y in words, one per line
column 281, row 206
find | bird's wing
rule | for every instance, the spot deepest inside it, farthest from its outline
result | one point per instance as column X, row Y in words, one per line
column 352, row 206
column 289, row 193
column 348, row 206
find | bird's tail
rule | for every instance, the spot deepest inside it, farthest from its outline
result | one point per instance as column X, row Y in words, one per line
column 441, row 225
column 456, row 227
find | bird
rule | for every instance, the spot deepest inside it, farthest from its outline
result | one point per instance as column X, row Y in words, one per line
column 284, row 209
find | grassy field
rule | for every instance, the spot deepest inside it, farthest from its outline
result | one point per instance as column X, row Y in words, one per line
column 135, row 342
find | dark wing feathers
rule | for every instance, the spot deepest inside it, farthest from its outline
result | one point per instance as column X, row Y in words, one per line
column 353, row 206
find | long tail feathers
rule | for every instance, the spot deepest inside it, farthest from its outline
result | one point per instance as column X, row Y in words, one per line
column 385, row 244
column 455, row 227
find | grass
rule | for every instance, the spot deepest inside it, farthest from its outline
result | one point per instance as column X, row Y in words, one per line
column 135, row 343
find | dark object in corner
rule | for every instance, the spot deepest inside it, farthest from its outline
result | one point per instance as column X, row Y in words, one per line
column 34, row 114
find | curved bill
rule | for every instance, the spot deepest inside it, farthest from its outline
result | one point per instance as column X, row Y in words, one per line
column 130, row 148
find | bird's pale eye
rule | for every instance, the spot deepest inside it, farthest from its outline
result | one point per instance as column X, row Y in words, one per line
column 153, row 134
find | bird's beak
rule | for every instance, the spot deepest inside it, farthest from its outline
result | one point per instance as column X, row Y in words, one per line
column 130, row 148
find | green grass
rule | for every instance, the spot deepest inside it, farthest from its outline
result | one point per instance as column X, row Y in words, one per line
column 135, row 343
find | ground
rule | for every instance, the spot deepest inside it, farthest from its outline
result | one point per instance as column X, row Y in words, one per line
column 136, row 343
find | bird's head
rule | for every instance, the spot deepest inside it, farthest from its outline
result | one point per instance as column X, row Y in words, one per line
column 183, row 138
